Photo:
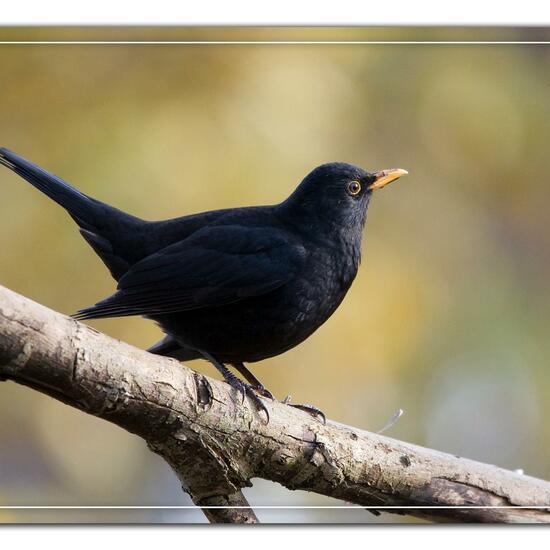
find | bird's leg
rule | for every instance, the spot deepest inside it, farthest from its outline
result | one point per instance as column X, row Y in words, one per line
column 310, row 409
column 256, row 384
column 239, row 385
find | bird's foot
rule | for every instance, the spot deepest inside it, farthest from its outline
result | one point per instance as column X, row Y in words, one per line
column 246, row 390
column 242, row 387
column 310, row 409
column 252, row 380
column 260, row 390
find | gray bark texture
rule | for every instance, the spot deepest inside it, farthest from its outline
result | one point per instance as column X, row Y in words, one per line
column 216, row 443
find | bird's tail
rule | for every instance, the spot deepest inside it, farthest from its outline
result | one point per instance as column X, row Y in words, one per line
column 100, row 224
column 79, row 205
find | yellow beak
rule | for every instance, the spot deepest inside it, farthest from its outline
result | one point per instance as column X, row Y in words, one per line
column 386, row 176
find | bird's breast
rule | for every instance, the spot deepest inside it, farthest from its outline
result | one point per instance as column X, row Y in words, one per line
column 267, row 325
column 329, row 278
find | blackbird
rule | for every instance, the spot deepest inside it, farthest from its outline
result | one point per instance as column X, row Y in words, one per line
column 230, row 286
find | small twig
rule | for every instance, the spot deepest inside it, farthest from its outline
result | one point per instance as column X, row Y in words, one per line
column 391, row 421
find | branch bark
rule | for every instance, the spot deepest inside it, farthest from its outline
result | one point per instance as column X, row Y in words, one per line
column 216, row 444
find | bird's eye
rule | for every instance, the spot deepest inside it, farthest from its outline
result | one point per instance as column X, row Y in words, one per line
column 354, row 188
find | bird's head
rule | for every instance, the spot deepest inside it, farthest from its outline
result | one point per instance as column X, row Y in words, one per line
column 338, row 194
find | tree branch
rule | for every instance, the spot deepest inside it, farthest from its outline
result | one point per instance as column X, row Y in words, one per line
column 216, row 444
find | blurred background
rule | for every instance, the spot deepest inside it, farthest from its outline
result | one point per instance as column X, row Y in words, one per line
column 448, row 318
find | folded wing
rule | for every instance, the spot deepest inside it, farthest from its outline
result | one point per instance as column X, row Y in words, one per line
column 215, row 266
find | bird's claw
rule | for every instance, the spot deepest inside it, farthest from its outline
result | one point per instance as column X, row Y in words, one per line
column 313, row 411
column 260, row 390
column 252, row 392
column 239, row 386
column 310, row 409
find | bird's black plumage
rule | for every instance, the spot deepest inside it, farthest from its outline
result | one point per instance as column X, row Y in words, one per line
column 232, row 286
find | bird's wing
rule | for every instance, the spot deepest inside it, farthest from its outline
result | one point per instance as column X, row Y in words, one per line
column 215, row 266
